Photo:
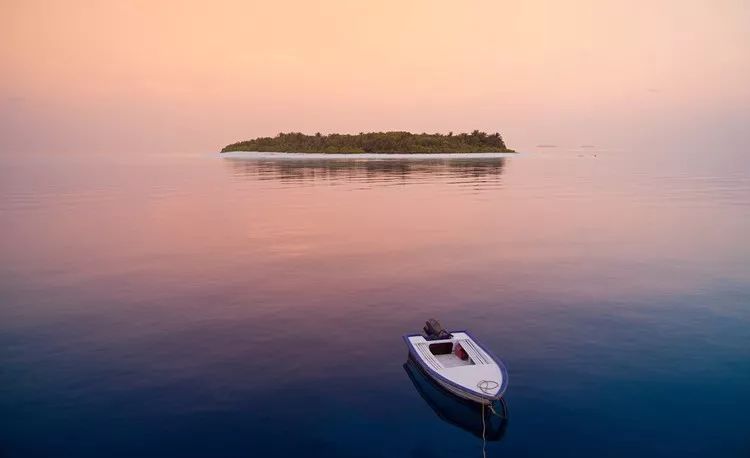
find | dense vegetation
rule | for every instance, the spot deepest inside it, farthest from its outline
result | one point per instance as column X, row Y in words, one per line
column 375, row 142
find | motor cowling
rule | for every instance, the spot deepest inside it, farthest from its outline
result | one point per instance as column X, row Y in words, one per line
column 434, row 330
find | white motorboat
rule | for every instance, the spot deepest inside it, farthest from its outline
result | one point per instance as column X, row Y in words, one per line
column 459, row 363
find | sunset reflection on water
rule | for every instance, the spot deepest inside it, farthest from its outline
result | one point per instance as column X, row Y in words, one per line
column 201, row 292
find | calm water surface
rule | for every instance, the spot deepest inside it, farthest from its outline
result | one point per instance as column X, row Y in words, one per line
column 186, row 305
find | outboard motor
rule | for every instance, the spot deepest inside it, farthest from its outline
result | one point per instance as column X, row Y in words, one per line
column 434, row 330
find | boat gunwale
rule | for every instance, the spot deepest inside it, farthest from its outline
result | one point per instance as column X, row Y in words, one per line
column 495, row 359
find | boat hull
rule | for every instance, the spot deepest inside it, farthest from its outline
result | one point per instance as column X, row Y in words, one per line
column 457, row 411
column 465, row 394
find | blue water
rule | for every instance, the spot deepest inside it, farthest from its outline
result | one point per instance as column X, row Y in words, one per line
column 186, row 305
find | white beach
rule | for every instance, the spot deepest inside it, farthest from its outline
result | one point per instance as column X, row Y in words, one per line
column 266, row 155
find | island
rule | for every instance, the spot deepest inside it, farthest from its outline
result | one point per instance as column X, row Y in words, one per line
column 375, row 142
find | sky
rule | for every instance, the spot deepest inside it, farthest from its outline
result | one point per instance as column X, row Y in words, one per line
column 183, row 76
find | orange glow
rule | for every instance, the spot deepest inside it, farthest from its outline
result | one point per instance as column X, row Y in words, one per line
column 116, row 76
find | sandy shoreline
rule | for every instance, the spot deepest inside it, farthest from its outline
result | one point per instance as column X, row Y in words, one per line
column 266, row 155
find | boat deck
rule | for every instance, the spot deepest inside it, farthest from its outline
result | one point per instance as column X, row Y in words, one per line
column 452, row 360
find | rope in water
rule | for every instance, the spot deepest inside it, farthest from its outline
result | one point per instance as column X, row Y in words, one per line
column 484, row 439
column 487, row 387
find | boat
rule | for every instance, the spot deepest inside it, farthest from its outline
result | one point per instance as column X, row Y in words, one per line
column 466, row 415
column 458, row 362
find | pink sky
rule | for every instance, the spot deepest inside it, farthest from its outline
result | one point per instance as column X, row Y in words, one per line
column 193, row 76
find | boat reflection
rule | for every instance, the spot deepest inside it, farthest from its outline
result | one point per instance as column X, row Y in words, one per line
column 456, row 411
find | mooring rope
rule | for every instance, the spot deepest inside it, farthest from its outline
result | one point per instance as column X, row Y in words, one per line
column 492, row 409
column 484, row 438
column 487, row 387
